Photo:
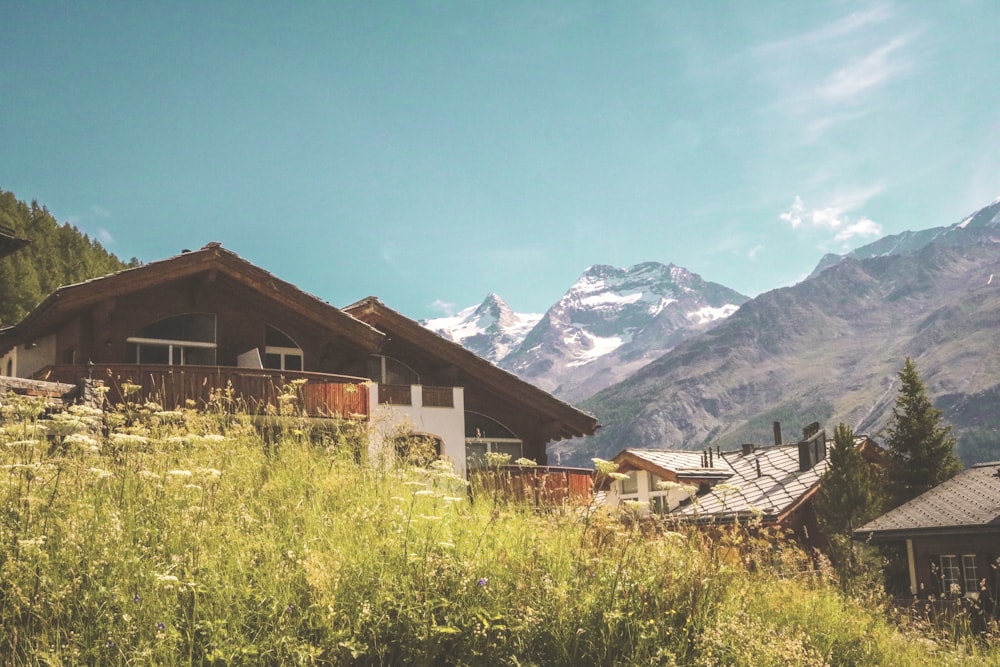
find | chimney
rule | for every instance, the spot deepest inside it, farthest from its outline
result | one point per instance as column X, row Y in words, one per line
column 747, row 448
column 758, row 468
column 777, row 434
column 812, row 449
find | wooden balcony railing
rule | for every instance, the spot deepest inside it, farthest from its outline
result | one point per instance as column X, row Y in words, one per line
column 402, row 394
column 541, row 485
column 251, row 390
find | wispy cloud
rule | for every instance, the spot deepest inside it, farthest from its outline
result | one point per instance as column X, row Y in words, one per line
column 823, row 35
column 863, row 74
column 822, row 76
column 754, row 251
column 443, row 306
column 94, row 213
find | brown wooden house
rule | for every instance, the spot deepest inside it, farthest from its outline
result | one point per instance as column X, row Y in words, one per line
column 950, row 535
column 208, row 319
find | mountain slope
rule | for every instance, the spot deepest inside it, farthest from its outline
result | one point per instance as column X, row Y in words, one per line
column 613, row 321
column 827, row 349
column 983, row 226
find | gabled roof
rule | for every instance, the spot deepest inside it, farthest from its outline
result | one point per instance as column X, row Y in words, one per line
column 779, row 487
column 211, row 260
column 564, row 421
column 969, row 502
column 684, row 464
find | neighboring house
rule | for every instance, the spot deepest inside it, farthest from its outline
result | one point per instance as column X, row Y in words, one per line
column 9, row 243
column 208, row 319
column 774, row 484
column 951, row 534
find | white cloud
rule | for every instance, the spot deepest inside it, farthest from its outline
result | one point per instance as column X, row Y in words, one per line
column 794, row 215
column 835, row 216
column 862, row 228
column 754, row 251
column 104, row 236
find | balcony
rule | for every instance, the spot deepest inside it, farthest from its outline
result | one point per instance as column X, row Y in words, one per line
column 253, row 391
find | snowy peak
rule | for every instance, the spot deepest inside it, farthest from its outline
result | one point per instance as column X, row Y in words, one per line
column 613, row 320
column 490, row 329
column 609, row 323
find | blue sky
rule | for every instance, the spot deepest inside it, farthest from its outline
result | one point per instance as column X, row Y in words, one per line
column 431, row 152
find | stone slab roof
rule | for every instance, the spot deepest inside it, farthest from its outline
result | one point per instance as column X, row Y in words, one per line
column 684, row 463
column 968, row 502
column 776, row 488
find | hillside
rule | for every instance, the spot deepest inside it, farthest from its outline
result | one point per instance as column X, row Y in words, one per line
column 827, row 349
column 56, row 255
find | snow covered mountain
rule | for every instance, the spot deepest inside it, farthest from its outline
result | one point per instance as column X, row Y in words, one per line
column 610, row 323
column 613, row 321
column 490, row 329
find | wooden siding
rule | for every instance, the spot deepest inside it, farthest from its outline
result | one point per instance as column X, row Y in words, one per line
column 255, row 391
column 540, row 485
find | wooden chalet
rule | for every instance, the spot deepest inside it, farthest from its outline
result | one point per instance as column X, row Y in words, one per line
column 185, row 328
column 950, row 536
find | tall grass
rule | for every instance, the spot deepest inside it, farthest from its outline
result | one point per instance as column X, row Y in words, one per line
column 178, row 538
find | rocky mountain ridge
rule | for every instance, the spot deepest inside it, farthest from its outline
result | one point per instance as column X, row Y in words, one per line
column 608, row 324
column 828, row 350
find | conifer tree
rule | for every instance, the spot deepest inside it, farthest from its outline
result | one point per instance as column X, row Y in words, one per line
column 848, row 496
column 921, row 448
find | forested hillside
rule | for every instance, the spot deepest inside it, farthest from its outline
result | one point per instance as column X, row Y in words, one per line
column 56, row 255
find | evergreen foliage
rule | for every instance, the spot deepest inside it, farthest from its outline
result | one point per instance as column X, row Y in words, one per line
column 848, row 497
column 921, row 447
column 57, row 255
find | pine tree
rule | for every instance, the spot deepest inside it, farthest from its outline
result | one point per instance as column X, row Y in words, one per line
column 921, row 447
column 847, row 496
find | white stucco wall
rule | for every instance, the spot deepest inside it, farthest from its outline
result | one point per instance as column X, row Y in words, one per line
column 448, row 424
column 646, row 492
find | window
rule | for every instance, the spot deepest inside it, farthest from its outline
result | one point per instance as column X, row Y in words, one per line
column 281, row 352
column 181, row 340
column 486, row 435
column 630, row 486
column 969, row 578
column 386, row 370
column 957, row 574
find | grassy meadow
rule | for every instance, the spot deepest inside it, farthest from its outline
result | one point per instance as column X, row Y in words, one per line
column 175, row 537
